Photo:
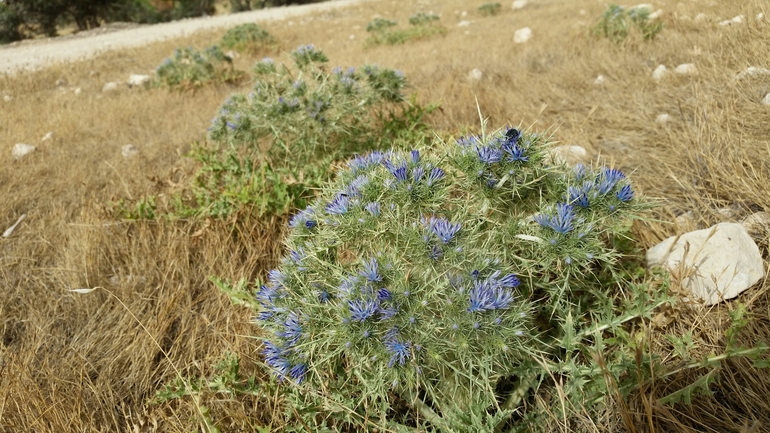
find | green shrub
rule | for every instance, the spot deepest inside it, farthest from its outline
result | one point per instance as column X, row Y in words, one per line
column 617, row 22
column 421, row 19
column 273, row 148
column 489, row 9
column 190, row 69
column 379, row 24
column 249, row 38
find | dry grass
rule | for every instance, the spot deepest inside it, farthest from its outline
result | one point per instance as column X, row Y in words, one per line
column 72, row 362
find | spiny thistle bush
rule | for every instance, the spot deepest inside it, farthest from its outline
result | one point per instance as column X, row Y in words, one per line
column 441, row 289
column 617, row 22
column 490, row 9
column 421, row 26
column 249, row 38
column 189, row 68
column 273, row 147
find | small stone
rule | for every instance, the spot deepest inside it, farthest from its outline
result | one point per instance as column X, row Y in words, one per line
column 714, row 264
column 7, row 98
column 655, row 15
column 686, row 69
column 568, row 154
column 751, row 72
column 352, row 37
column 758, row 226
column 234, row 54
column 20, row 150
column 110, row 87
column 475, row 75
column 77, row 91
column 659, row 72
column 519, row 4
column 760, row 16
column 463, row 23
column 48, row 136
column 737, row 20
column 138, row 80
column 522, row 35
column 61, row 82
column 600, row 80
column 464, row 14
column 582, row 12
column 700, row 17
column 766, row 100
column 662, row 119
column 129, row 150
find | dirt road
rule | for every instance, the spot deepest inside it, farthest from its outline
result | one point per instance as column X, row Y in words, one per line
column 36, row 54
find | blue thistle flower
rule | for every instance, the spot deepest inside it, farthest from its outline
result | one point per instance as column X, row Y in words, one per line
column 339, row 205
column 388, row 312
column 609, row 178
column 362, row 310
column 442, row 228
column 371, row 271
column 469, row 141
column 373, row 208
column 298, row 372
column 348, row 286
column 417, row 173
column 399, row 351
column 489, row 154
column 562, row 222
column 577, row 196
column 323, row 296
column 292, row 330
column 355, row 187
column 625, row 193
column 384, row 294
column 399, row 172
column 436, row 174
column 580, row 172
column 436, row 252
column 509, row 280
column 514, row 152
column 304, row 217
column 276, row 359
column 489, row 294
column 415, row 156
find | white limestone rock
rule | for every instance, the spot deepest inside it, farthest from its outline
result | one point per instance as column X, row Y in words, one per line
column 475, row 75
column 48, row 136
column 766, row 100
column 686, row 69
column 760, row 16
column 62, row 82
column 138, row 80
column 77, row 91
column 109, row 87
column 752, row 72
column 662, row 119
column 714, row 264
column 129, row 151
column 21, row 150
column 655, row 15
column 659, row 72
column 568, row 155
column 463, row 23
column 737, row 20
column 519, row 4
column 700, row 17
column 600, row 80
column 522, row 35
column 7, row 98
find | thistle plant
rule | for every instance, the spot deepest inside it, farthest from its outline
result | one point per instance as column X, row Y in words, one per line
column 441, row 288
column 249, row 38
column 379, row 24
column 189, row 68
column 617, row 22
column 489, row 9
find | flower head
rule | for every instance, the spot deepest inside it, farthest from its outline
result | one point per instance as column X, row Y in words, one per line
column 339, row 205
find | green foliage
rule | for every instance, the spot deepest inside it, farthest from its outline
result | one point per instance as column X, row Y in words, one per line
column 249, row 38
column 617, row 22
column 489, row 9
column 10, row 21
column 190, row 69
column 379, row 24
column 421, row 19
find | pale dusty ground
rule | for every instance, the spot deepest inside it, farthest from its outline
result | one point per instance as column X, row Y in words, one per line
column 36, row 54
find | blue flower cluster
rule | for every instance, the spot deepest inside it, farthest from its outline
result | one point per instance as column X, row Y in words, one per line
column 441, row 228
column 562, row 222
column 604, row 183
column 506, row 147
column 492, row 293
column 304, row 218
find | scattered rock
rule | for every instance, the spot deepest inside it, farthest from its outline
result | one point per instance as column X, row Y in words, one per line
column 7, row 98
column 700, row 17
column 714, row 264
column 662, row 119
column 475, row 75
column 463, row 23
column 48, row 136
column 752, row 71
column 659, row 72
column 61, row 82
column 10, row 229
column 128, row 151
column 77, row 91
column 522, row 35
column 766, row 100
column 760, row 16
column 234, row 54
column 642, row 6
column 568, row 155
column 758, row 226
column 464, row 14
column 138, row 80
column 519, row 4
column 655, row 15
column 686, row 69
column 600, row 80
column 110, row 87
column 20, row 150
column 351, row 37
column 737, row 20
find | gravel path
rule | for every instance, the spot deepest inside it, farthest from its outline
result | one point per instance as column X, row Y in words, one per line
column 39, row 53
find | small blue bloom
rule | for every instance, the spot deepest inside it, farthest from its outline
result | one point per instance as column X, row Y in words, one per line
column 355, row 187
column 304, row 217
column 467, row 141
column 339, row 205
column 436, row 252
column 442, row 228
column 417, row 173
column 489, row 154
column 371, row 271
column 509, row 280
column 415, row 156
column 231, row 125
column 384, row 294
column 323, row 296
column 298, row 372
column 362, row 310
column 489, row 294
column 388, row 312
column 399, row 351
column 373, row 208
column 292, row 330
column 577, row 196
column 625, row 193
column 609, row 178
column 436, row 174
column 561, row 222
column 399, row 172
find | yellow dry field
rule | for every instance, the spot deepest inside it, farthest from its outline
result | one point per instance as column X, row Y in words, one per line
column 93, row 362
